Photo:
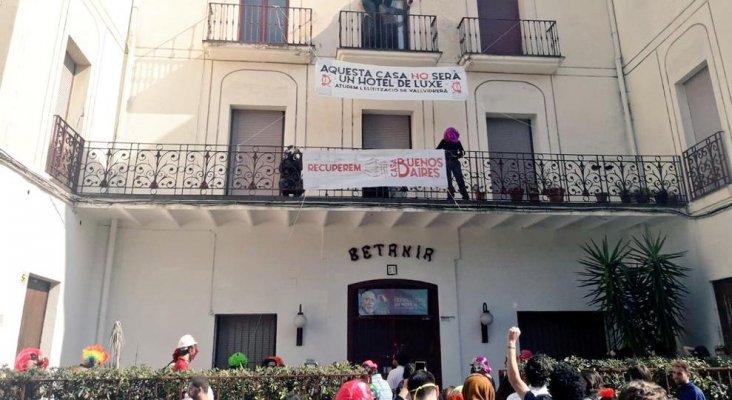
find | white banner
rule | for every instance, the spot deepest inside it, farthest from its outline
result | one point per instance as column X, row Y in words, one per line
column 347, row 169
column 364, row 81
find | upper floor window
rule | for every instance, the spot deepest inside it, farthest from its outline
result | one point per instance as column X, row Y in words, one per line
column 264, row 21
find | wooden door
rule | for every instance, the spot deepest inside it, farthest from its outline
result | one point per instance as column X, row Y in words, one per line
column 34, row 313
column 500, row 27
column 381, row 335
column 723, row 293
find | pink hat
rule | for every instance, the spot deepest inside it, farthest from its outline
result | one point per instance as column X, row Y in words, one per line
column 525, row 355
column 481, row 363
column 370, row 364
column 354, row 390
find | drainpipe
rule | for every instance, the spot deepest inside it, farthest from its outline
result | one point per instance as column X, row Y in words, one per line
column 106, row 279
column 127, row 64
column 629, row 132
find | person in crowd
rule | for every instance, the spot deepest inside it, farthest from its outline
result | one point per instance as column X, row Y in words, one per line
column 525, row 355
column 409, row 369
column 29, row 358
column 453, row 153
column 91, row 356
column 273, row 362
column 354, row 390
column 378, row 384
column 639, row 372
column 682, row 376
column 593, row 384
column 721, row 351
column 184, row 353
column 642, row 390
column 199, row 389
column 420, row 386
column 396, row 374
column 504, row 387
column 565, row 383
column 606, row 393
column 537, row 370
column 453, row 393
column 479, row 384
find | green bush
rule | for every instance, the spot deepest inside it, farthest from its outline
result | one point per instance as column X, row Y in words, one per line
column 144, row 383
column 712, row 375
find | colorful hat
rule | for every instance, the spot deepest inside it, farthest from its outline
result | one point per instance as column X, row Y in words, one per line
column 354, row 390
column 238, row 360
column 186, row 341
column 525, row 355
column 94, row 355
column 370, row 364
column 481, row 364
column 28, row 355
column 451, row 135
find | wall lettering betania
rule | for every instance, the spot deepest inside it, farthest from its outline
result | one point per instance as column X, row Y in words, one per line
column 393, row 250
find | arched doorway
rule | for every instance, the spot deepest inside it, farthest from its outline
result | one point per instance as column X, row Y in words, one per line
column 390, row 315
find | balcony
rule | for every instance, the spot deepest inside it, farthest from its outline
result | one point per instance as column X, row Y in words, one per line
column 258, row 174
column 259, row 33
column 395, row 38
column 509, row 46
column 706, row 162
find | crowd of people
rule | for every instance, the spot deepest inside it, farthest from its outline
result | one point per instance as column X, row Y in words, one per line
column 541, row 377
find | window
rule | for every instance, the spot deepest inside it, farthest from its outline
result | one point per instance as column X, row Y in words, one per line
column 385, row 132
column 264, row 21
column 255, row 151
column 511, row 156
column 723, row 293
column 702, row 119
column 252, row 334
column 73, row 87
column 500, row 29
column 385, row 24
column 561, row 334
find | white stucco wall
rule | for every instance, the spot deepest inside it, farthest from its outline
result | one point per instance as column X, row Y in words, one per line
column 49, row 241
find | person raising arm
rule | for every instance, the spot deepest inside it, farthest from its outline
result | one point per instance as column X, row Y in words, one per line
column 518, row 385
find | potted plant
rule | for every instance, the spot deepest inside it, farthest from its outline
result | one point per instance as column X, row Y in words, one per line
column 642, row 195
column 479, row 193
column 516, row 193
column 625, row 195
column 661, row 196
column 555, row 194
column 602, row 197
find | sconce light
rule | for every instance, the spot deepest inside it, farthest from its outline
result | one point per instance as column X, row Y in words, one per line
column 486, row 318
column 300, row 322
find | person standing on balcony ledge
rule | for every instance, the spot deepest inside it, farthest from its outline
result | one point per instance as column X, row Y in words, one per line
column 453, row 153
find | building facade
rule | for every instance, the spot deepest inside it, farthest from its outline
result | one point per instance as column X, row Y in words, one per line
column 143, row 146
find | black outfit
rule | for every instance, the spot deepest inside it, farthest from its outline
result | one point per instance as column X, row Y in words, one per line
column 453, row 153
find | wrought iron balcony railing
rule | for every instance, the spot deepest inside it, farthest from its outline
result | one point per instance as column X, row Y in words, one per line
column 509, row 37
column 254, row 24
column 145, row 170
column 397, row 31
column 706, row 166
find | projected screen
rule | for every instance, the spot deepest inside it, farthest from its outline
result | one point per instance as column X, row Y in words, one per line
column 392, row 302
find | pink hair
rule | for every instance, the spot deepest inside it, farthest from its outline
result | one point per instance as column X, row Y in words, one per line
column 451, row 135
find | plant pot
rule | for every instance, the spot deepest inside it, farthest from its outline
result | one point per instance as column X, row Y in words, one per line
column 555, row 195
column 625, row 197
column 602, row 197
column 516, row 194
column 479, row 196
column 661, row 197
column 534, row 198
column 642, row 197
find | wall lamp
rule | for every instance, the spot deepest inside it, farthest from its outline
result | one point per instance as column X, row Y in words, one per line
column 486, row 318
column 299, row 322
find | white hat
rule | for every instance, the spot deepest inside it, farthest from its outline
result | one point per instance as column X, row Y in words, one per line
column 186, row 341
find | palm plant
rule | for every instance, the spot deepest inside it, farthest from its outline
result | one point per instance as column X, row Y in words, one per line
column 665, row 289
column 639, row 289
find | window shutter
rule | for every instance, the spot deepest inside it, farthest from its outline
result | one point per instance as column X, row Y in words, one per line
column 257, row 128
column 386, row 132
column 252, row 334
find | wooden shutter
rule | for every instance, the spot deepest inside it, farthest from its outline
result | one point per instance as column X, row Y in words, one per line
column 386, row 132
column 511, row 155
column 702, row 106
column 34, row 313
column 723, row 293
column 257, row 128
column 64, row 91
column 252, row 334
